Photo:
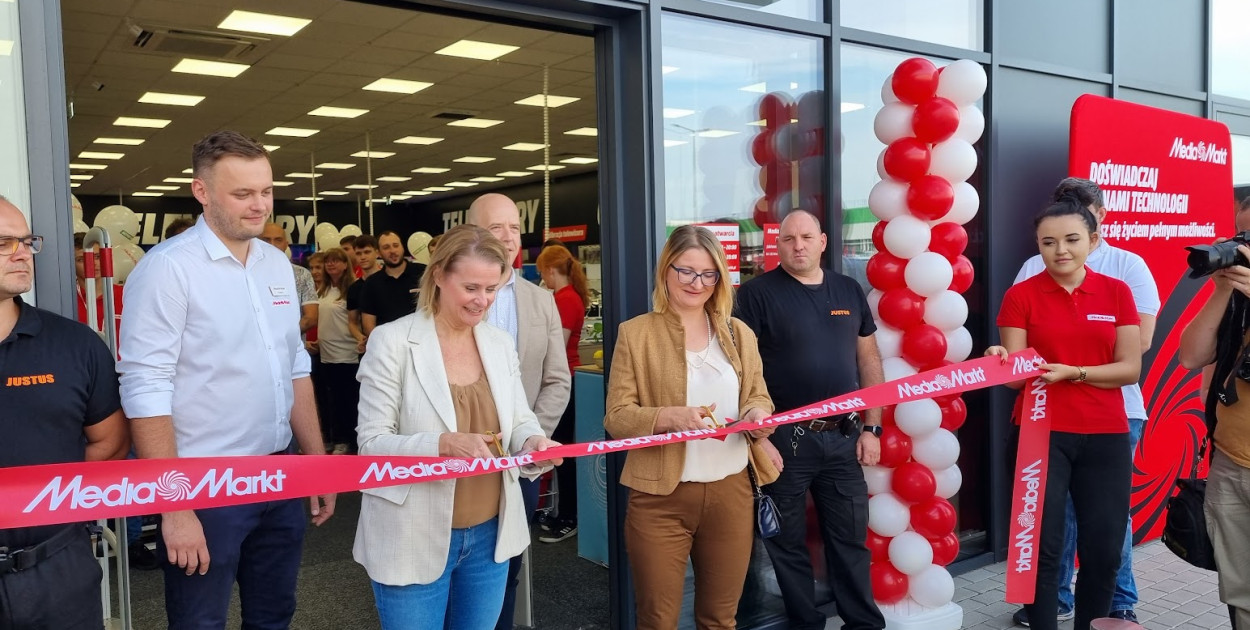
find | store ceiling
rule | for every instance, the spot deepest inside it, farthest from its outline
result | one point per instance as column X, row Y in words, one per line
column 347, row 46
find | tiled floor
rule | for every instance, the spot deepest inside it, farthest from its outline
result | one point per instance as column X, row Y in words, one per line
column 1172, row 595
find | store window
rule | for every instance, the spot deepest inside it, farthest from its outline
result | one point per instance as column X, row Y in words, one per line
column 957, row 23
column 1230, row 66
column 14, row 181
column 744, row 124
column 1241, row 164
column 805, row 9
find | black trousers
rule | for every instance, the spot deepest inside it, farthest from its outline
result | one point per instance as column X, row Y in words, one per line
column 824, row 463
column 340, row 397
column 566, row 473
column 1096, row 469
column 60, row 593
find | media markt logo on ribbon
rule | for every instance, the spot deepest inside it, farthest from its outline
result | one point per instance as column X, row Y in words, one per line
column 171, row 486
column 387, row 471
column 1026, row 540
column 941, row 382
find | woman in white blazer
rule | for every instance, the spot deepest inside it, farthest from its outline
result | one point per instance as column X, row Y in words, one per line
column 435, row 383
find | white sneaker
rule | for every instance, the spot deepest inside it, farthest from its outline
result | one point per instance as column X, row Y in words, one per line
column 339, row 449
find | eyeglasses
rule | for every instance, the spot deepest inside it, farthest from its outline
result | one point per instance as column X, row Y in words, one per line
column 687, row 276
column 8, row 244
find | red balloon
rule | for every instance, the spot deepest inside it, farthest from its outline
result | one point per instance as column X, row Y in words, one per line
column 922, row 344
column 915, row 81
column 776, row 178
column 948, row 239
column 935, row 120
column 887, row 417
column 885, row 271
column 954, row 413
column 762, row 213
column 913, row 482
column 776, row 108
column 762, row 148
column 895, row 447
column 934, row 518
column 878, row 235
column 962, row 278
column 879, row 546
column 906, row 159
column 889, row 585
column 930, row 197
column 945, row 549
column 901, row 308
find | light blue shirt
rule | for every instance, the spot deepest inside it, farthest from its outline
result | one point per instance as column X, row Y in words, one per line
column 502, row 313
column 214, row 343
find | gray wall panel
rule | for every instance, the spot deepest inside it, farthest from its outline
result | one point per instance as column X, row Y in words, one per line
column 1173, row 103
column 1163, row 42
column 1047, row 32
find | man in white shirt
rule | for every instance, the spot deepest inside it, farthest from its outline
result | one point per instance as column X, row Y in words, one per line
column 212, row 365
column 1132, row 270
column 529, row 315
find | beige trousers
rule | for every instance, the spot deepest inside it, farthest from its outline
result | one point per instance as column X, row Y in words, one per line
column 1227, row 510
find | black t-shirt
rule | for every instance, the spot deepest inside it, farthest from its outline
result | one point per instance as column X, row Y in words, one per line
column 56, row 377
column 353, row 294
column 389, row 299
column 808, row 335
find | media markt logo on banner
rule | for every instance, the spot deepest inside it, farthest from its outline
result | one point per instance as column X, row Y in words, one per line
column 1038, row 411
column 1026, row 540
column 390, row 472
column 1198, row 151
column 1024, row 365
column 170, row 486
column 941, row 382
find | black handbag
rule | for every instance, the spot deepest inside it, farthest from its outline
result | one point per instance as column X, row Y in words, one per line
column 767, row 520
column 1185, row 530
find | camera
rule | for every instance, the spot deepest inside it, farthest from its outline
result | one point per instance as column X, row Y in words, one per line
column 1205, row 260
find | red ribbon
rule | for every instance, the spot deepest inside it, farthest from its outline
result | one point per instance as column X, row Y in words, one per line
column 65, row 493
column 1028, row 495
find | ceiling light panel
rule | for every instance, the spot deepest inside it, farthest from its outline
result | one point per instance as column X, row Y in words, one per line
column 99, row 155
column 165, row 98
column 304, row 175
column 187, row 171
column 430, row 170
column 675, row 112
column 308, row 198
column 149, row 123
column 552, row 167
column 74, row 184
column 470, row 49
column 335, row 166
column 210, row 68
column 280, row 183
column 418, row 193
column 475, row 123
column 474, row 159
column 582, row 131
column 461, row 184
column 439, row 188
column 514, row 173
column 88, row 167
column 147, row 193
column 338, row 112
column 294, row 132
column 361, row 186
column 334, row 193
column 716, row 133
column 398, row 86
column 129, row 142
column 486, row 180
column 525, row 146
column 373, row 154
column 263, row 23
column 271, row 147
column 178, row 180
column 394, row 178
column 81, row 178
column 6, row 47
column 160, row 187
column 552, row 100
column 579, row 160
column 417, row 140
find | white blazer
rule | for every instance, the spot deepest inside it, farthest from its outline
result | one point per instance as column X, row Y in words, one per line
column 404, row 532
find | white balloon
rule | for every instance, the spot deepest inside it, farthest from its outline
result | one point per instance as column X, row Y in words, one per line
column 967, row 201
column 910, row 553
column 971, row 124
column 121, row 222
column 890, row 344
column 418, row 246
column 948, row 481
column 874, row 299
column 962, row 81
column 350, row 230
column 76, row 206
column 887, row 90
column 881, row 165
column 958, row 344
column 928, row 274
column 325, row 229
column 888, row 199
column 946, row 311
column 954, row 160
column 887, row 516
column 125, row 257
column 895, row 367
column 326, row 236
column 80, row 227
column 918, row 418
column 932, row 587
column 906, row 236
column 938, row 450
column 878, row 478
column 893, row 121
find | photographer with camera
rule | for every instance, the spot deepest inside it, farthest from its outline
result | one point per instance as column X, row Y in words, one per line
column 1220, row 335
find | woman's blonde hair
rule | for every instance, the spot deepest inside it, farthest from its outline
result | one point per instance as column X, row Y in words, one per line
column 345, row 279
column 559, row 257
column 460, row 242
column 687, row 237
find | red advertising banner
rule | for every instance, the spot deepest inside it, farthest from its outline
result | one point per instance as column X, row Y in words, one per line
column 1167, row 180
column 772, row 259
column 568, row 233
column 728, row 235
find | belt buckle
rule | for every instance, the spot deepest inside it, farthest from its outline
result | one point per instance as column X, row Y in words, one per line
column 815, row 427
column 11, row 561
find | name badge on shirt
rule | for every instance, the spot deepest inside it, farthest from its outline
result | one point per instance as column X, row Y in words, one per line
column 1100, row 318
column 278, row 290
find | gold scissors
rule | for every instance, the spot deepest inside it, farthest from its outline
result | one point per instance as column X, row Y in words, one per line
column 707, row 413
column 498, row 443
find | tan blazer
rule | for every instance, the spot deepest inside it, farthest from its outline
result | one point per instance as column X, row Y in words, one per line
column 544, row 362
column 404, row 531
column 649, row 371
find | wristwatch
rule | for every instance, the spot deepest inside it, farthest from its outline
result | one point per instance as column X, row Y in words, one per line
column 874, row 429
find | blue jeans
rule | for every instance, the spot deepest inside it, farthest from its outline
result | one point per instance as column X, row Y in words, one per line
column 467, row 596
column 1125, row 597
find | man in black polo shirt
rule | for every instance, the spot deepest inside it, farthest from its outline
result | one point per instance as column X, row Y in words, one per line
column 390, row 295
column 59, row 403
column 816, row 337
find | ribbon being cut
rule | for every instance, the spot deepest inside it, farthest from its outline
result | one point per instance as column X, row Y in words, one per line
column 65, row 493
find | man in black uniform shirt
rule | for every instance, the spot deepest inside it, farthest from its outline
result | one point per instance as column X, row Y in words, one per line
column 390, row 295
column 59, row 403
column 816, row 337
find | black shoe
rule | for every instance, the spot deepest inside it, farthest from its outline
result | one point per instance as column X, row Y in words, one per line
column 559, row 533
column 142, row 558
column 1021, row 618
column 546, row 522
column 1126, row 615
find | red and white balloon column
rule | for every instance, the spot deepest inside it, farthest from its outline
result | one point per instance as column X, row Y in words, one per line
column 928, row 123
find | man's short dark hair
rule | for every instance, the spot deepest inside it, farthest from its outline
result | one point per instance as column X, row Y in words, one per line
column 393, row 233
column 215, row 146
column 178, row 226
column 365, row 240
column 1085, row 190
column 79, row 237
column 349, row 240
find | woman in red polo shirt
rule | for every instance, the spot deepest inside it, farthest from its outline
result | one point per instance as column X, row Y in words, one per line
column 1085, row 325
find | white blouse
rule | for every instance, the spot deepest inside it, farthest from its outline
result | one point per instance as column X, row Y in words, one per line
column 716, row 382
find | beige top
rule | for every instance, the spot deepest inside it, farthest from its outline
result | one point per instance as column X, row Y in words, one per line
column 477, row 498
column 710, row 378
column 1232, row 426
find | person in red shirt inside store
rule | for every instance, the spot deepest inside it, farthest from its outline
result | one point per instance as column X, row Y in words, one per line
column 563, row 274
column 80, row 274
column 1085, row 325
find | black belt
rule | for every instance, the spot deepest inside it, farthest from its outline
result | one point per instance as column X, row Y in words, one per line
column 848, row 424
column 12, row 561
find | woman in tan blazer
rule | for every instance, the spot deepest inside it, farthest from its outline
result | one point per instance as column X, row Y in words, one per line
column 672, row 369
column 440, row 382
